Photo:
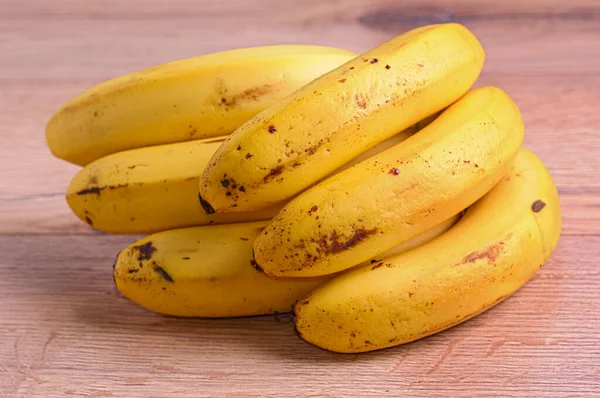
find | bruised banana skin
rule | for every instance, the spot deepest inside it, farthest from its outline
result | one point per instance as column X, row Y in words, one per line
column 489, row 254
column 154, row 189
column 320, row 127
column 398, row 193
column 207, row 272
column 205, row 96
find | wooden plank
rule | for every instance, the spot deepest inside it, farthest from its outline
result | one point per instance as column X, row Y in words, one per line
column 559, row 111
column 97, row 41
column 68, row 333
column 140, row 9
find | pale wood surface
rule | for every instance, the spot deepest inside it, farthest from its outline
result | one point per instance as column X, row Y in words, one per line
column 64, row 331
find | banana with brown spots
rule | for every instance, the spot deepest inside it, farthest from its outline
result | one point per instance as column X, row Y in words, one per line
column 339, row 115
column 489, row 254
column 398, row 193
column 207, row 272
column 195, row 98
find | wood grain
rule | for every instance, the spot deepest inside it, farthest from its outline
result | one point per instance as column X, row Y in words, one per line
column 69, row 331
column 65, row 331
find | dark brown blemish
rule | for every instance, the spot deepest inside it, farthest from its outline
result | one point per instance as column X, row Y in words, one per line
column 244, row 238
column 145, row 251
column 242, row 189
column 342, row 80
column 387, row 67
column 249, row 155
column 312, row 149
column 185, row 258
column 228, row 193
column 89, row 220
column 333, row 245
column 374, row 61
column 136, row 165
column 158, row 269
column 239, row 148
column 208, row 209
column 97, row 190
column 132, row 271
column 538, row 205
column 92, row 190
column 252, row 94
column 272, row 129
column 273, row 173
column 394, row 171
column 377, row 265
column 225, row 183
column 491, row 253
column 313, row 209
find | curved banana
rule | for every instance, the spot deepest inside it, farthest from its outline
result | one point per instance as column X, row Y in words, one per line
column 153, row 189
column 317, row 129
column 147, row 190
column 206, row 272
column 397, row 194
column 200, row 97
column 489, row 254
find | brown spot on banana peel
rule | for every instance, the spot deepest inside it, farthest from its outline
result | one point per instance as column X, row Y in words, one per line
column 251, row 94
column 98, row 190
column 145, row 251
column 361, row 101
column 274, row 172
column 159, row 270
column 333, row 244
column 537, row 206
column 490, row 253
column 92, row 190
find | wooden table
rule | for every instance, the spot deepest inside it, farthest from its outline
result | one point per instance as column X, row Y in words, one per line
column 65, row 331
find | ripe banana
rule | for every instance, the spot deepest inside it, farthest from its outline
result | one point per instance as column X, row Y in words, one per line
column 206, row 272
column 317, row 129
column 494, row 249
column 147, row 190
column 153, row 189
column 201, row 97
column 397, row 194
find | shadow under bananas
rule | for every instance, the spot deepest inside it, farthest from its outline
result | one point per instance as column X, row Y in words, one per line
column 68, row 282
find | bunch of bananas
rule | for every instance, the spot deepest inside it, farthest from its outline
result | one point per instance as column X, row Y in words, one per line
column 379, row 196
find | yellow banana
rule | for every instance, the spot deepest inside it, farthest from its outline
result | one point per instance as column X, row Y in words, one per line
column 496, row 248
column 147, row 190
column 201, row 97
column 317, row 129
column 206, row 272
column 397, row 194
column 153, row 189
